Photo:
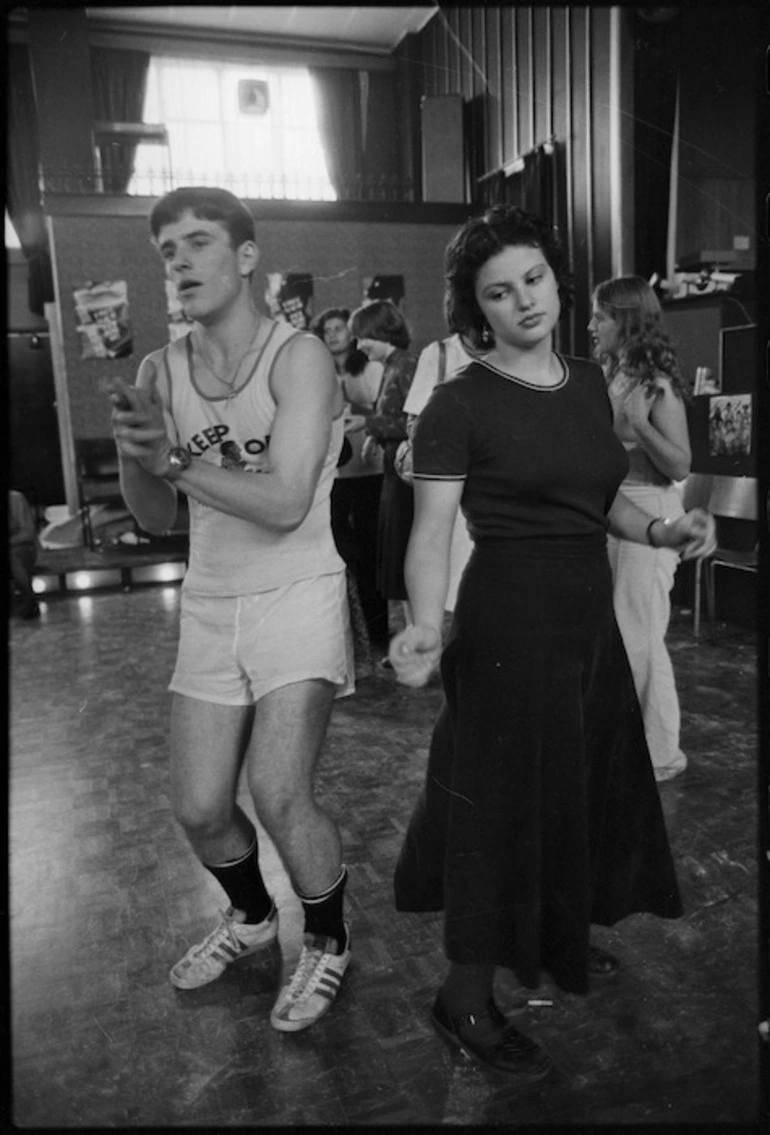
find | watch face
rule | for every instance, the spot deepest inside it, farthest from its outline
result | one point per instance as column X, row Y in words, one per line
column 179, row 458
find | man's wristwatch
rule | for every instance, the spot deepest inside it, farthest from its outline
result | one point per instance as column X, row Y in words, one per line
column 178, row 460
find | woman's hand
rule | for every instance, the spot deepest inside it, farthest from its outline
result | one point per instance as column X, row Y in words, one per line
column 638, row 404
column 414, row 654
column 354, row 423
column 693, row 535
column 138, row 425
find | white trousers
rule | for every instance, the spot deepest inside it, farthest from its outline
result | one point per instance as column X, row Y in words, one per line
column 643, row 577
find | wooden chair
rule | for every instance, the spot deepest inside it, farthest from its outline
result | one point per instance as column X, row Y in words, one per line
column 98, row 480
column 733, row 502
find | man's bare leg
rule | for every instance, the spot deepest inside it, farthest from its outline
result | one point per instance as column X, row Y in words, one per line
column 207, row 748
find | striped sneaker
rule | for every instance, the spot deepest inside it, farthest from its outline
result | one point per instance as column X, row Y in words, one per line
column 315, row 984
column 229, row 941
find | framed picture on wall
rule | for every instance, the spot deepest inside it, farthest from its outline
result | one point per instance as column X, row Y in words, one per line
column 729, row 432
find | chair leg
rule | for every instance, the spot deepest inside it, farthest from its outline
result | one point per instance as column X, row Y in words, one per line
column 696, row 603
column 88, row 532
column 710, row 596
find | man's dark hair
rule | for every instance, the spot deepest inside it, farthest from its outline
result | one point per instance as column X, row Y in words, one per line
column 481, row 238
column 208, row 204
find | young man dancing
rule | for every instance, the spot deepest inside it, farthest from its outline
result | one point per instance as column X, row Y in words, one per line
column 265, row 640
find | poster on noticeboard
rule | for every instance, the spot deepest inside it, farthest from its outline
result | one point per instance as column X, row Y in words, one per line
column 103, row 324
column 384, row 288
column 289, row 297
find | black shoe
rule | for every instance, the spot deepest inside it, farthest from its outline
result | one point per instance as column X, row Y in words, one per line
column 601, row 963
column 488, row 1038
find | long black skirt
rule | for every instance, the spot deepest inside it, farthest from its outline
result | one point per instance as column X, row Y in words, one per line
column 540, row 813
column 394, row 527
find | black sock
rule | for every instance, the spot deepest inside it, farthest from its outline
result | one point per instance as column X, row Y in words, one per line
column 323, row 913
column 242, row 879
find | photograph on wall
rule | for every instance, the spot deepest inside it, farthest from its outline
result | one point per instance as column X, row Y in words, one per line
column 289, row 297
column 178, row 323
column 384, row 288
column 101, row 310
column 730, row 426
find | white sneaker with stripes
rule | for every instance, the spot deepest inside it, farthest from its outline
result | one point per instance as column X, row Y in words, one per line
column 226, row 943
column 311, row 991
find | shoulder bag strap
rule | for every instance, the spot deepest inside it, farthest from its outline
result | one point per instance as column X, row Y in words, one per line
column 441, row 362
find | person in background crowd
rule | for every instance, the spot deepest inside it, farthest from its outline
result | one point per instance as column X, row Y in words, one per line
column 539, row 814
column 383, row 335
column 355, row 499
column 265, row 639
column 22, row 552
column 439, row 361
column 647, row 393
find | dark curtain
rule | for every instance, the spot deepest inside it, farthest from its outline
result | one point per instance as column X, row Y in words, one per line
column 657, row 49
column 338, row 113
column 381, row 159
column 119, row 80
column 23, row 199
column 539, row 187
column 544, row 189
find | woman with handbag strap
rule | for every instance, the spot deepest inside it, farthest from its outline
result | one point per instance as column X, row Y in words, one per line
column 355, row 496
column 383, row 335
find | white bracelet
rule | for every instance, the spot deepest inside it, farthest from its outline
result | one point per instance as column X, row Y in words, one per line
column 666, row 520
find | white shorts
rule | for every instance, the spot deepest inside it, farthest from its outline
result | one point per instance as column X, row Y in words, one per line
column 233, row 651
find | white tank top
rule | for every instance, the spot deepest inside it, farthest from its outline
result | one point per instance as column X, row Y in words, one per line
column 230, row 556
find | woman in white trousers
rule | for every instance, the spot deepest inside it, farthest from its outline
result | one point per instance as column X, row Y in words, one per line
column 647, row 394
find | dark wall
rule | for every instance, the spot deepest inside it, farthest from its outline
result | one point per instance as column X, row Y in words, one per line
column 339, row 255
column 18, row 315
column 721, row 78
column 529, row 75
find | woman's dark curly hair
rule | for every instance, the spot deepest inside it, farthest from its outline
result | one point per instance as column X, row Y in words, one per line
column 381, row 319
column 355, row 360
column 644, row 348
column 501, row 226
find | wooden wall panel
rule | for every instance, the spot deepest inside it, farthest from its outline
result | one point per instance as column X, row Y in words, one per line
column 582, row 220
column 508, row 93
column 492, row 67
column 478, row 86
column 524, row 92
column 542, row 75
column 560, row 76
column 429, row 62
column 465, row 37
column 454, row 67
column 600, row 156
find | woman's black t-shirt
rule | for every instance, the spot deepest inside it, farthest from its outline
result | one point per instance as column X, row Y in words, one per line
column 536, row 461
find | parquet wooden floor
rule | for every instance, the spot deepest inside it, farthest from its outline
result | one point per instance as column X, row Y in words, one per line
column 105, row 895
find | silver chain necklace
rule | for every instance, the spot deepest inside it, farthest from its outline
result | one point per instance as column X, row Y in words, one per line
column 229, row 384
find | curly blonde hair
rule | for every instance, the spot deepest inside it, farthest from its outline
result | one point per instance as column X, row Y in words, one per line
column 645, row 350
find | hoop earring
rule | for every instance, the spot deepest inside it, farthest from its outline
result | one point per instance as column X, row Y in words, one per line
column 487, row 336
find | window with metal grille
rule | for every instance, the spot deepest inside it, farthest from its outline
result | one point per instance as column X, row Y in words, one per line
column 250, row 129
